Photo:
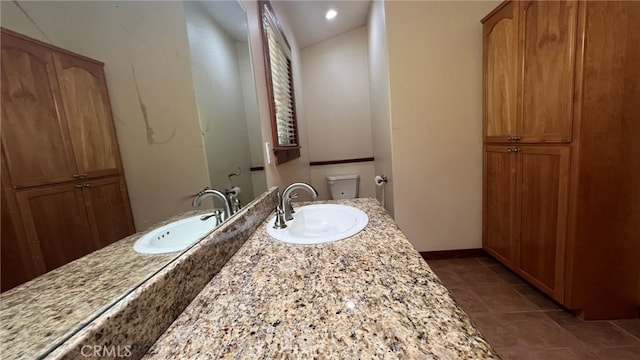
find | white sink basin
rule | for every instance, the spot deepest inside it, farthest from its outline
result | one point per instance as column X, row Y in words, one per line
column 175, row 236
column 322, row 223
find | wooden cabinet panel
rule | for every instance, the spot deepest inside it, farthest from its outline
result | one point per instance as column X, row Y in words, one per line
column 499, row 203
column 86, row 104
column 108, row 209
column 20, row 262
column 543, row 181
column 34, row 130
column 548, row 33
column 501, row 73
column 55, row 217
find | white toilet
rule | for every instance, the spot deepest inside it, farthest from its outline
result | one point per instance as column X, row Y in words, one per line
column 343, row 186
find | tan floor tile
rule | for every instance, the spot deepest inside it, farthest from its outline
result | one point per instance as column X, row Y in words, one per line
column 450, row 278
column 468, row 300
column 538, row 299
column 593, row 333
column 618, row 353
column 523, row 331
column 507, row 275
column 632, row 326
column 503, row 298
column 547, row 354
column 480, row 277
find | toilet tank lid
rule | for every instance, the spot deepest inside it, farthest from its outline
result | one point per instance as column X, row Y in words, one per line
column 342, row 177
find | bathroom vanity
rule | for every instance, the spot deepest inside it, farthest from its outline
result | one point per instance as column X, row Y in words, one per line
column 367, row 296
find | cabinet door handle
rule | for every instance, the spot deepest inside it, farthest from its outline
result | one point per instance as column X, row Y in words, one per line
column 86, row 185
column 509, row 150
column 84, row 175
column 516, row 138
column 510, row 138
column 79, row 186
column 76, row 176
column 516, row 150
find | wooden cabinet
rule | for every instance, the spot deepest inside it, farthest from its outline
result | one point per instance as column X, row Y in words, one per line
column 86, row 104
column 70, row 220
column 58, row 116
column 501, row 73
column 525, row 207
column 500, row 203
column 35, row 136
column 568, row 221
column 529, row 57
column 541, row 206
column 63, row 189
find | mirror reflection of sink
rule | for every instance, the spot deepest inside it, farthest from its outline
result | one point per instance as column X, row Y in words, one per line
column 321, row 223
column 175, row 236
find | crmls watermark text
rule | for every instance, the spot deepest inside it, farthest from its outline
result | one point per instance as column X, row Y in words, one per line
column 106, row 351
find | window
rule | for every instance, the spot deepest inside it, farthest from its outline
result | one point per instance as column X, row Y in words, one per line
column 277, row 55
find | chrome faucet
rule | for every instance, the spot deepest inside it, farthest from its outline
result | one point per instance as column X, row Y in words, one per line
column 285, row 201
column 197, row 200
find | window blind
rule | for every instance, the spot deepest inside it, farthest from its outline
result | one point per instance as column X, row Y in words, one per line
column 281, row 79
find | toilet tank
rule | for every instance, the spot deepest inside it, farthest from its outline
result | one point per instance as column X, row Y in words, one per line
column 343, row 186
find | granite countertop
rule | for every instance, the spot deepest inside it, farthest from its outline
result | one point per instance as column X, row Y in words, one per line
column 38, row 315
column 368, row 296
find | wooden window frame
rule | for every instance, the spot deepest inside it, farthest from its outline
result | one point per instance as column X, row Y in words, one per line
column 283, row 153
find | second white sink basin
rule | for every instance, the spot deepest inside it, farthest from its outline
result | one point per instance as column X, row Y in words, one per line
column 175, row 236
column 321, row 223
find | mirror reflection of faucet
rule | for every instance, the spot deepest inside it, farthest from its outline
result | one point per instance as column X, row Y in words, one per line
column 197, row 201
column 234, row 200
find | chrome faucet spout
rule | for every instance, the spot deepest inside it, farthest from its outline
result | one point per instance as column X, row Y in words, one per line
column 285, row 204
column 197, row 200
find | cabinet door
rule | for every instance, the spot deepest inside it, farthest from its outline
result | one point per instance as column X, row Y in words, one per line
column 501, row 73
column 548, row 37
column 86, row 104
column 499, row 203
column 34, row 131
column 108, row 209
column 19, row 261
column 55, row 218
column 542, row 180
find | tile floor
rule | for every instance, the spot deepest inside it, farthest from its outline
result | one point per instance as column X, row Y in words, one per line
column 522, row 323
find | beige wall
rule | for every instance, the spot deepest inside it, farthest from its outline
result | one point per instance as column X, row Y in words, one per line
column 163, row 157
column 435, row 72
column 215, row 63
column 336, row 97
column 379, row 99
column 337, row 110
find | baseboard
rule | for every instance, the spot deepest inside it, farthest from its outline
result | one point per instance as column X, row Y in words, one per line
column 452, row 254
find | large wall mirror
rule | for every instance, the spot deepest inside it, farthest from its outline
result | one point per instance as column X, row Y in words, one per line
column 181, row 84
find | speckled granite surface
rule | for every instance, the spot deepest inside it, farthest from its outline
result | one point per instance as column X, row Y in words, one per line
column 369, row 296
column 37, row 315
column 132, row 325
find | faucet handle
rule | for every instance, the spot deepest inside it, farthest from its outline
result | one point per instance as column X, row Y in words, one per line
column 280, row 222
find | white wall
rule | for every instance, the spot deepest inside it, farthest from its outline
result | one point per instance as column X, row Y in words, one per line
column 379, row 99
column 435, row 73
column 337, row 110
column 221, row 106
column 145, row 48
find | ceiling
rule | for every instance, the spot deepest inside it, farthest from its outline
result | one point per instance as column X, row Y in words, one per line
column 306, row 18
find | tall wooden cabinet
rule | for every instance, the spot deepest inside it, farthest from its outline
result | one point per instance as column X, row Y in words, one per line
column 561, row 203
column 63, row 189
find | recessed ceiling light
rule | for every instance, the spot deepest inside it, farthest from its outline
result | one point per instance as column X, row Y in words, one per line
column 331, row 13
